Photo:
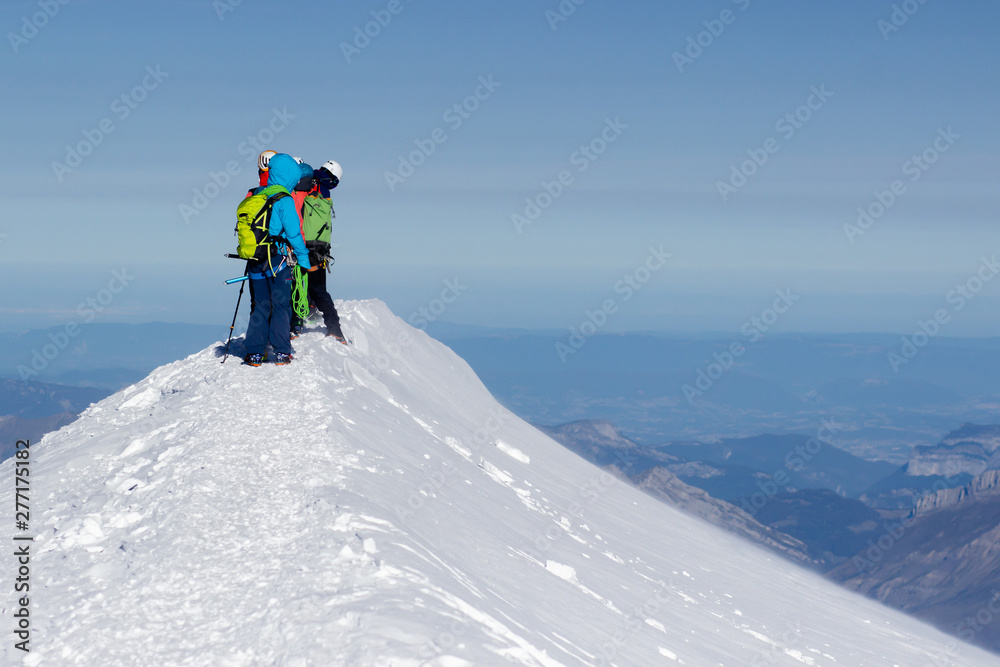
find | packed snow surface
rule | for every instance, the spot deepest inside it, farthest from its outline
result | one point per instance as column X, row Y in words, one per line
column 372, row 504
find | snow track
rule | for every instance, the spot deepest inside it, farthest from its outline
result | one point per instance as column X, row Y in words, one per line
column 372, row 505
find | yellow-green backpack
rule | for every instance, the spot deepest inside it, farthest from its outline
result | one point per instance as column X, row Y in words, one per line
column 253, row 219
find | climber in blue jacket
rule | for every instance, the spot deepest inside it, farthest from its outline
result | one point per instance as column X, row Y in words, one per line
column 271, row 280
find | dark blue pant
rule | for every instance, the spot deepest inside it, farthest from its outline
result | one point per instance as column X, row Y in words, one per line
column 272, row 313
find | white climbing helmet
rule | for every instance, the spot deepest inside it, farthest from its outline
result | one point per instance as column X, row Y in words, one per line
column 264, row 159
column 334, row 168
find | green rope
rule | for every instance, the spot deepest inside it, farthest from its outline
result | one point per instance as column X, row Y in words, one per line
column 300, row 293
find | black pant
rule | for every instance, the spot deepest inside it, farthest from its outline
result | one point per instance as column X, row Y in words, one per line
column 319, row 297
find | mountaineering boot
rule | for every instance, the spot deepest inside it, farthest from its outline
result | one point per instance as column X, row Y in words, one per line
column 255, row 359
column 339, row 335
column 282, row 359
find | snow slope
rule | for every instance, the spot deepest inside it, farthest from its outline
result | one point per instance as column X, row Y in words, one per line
column 374, row 505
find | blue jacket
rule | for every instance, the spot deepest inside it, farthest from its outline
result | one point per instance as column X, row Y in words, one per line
column 285, row 222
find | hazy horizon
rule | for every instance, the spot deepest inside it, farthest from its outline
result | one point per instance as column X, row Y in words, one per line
column 705, row 301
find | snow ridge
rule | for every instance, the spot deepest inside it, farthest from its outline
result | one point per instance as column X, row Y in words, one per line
column 373, row 505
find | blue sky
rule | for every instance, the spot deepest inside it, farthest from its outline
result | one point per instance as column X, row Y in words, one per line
column 225, row 67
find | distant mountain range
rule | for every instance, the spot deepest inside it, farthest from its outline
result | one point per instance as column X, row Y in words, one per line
column 107, row 355
column 926, row 544
column 36, row 400
column 971, row 449
column 953, row 462
column 783, row 384
column 599, row 442
column 787, row 492
column 942, row 563
column 660, row 483
column 744, row 466
column 834, row 528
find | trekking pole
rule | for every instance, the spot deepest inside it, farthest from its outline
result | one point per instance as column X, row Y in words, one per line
column 233, row 325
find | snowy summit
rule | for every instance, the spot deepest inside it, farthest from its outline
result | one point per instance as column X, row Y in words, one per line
column 372, row 504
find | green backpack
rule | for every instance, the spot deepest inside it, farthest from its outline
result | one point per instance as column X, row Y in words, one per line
column 253, row 219
column 317, row 222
